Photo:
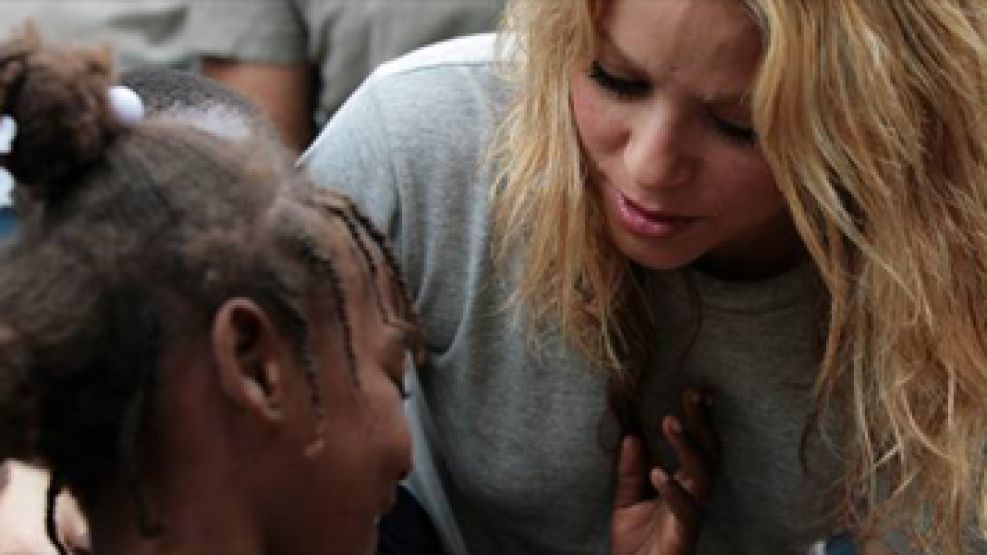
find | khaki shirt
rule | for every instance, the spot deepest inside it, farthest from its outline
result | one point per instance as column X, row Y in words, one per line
column 346, row 39
column 141, row 32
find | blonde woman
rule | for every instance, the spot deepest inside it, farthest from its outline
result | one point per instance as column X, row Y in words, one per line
column 781, row 202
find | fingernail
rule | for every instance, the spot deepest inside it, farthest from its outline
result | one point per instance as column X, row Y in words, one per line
column 708, row 399
column 695, row 398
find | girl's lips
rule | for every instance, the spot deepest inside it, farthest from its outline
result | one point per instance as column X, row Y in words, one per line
column 655, row 225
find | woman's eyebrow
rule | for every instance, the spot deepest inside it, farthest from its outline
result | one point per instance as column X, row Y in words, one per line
column 724, row 99
column 613, row 51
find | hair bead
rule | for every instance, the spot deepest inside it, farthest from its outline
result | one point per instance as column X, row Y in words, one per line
column 125, row 105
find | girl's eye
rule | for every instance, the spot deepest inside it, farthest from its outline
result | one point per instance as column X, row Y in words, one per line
column 736, row 133
column 618, row 86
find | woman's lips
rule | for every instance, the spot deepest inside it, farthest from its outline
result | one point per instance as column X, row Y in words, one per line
column 655, row 225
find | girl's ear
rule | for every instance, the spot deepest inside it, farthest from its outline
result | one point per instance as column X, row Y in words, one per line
column 249, row 356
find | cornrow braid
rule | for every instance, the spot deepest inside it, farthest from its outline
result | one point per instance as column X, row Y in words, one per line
column 344, row 208
column 311, row 369
column 411, row 322
column 354, row 232
column 323, row 265
column 348, row 209
column 310, row 366
column 382, row 245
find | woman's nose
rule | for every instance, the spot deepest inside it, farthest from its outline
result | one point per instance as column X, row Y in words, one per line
column 657, row 153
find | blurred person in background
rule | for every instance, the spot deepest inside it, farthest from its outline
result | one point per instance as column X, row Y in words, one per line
column 300, row 59
column 140, row 32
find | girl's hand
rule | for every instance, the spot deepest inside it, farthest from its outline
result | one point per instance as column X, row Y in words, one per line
column 22, row 515
column 668, row 524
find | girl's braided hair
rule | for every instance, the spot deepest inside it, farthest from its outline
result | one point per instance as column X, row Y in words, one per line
column 131, row 237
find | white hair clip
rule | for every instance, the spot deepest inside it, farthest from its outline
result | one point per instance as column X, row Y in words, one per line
column 8, row 132
column 126, row 105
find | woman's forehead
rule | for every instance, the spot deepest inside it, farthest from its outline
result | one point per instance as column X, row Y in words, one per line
column 714, row 46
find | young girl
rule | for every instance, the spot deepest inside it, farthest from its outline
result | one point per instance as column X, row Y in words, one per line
column 205, row 350
column 780, row 200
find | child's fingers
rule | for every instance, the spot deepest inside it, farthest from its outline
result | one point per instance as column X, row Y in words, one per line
column 630, row 473
column 695, row 470
column 696, row 405
column 71, row 524
column 675, row 496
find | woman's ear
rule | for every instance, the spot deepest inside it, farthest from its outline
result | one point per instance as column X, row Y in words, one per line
column 249, row 356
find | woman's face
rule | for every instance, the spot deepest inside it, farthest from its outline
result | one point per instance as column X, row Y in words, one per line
column 664, row 124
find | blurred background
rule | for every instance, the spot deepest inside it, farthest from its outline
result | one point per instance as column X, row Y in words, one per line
column 297, row 60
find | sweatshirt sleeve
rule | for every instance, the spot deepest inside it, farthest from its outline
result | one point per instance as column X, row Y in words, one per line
column 352, row 155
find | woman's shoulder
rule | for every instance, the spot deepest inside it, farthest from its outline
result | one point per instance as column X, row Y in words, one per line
column 410, row 145
column 431, row 109
column 452, row 85
column 478, row 51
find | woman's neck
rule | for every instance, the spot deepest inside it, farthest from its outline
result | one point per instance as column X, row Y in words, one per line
column 778, row 250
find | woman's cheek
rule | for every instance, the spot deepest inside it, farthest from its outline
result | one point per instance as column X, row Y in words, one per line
column 596, row 122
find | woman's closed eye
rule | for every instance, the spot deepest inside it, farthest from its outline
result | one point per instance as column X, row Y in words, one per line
column 734, row 132
column 623, row 88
